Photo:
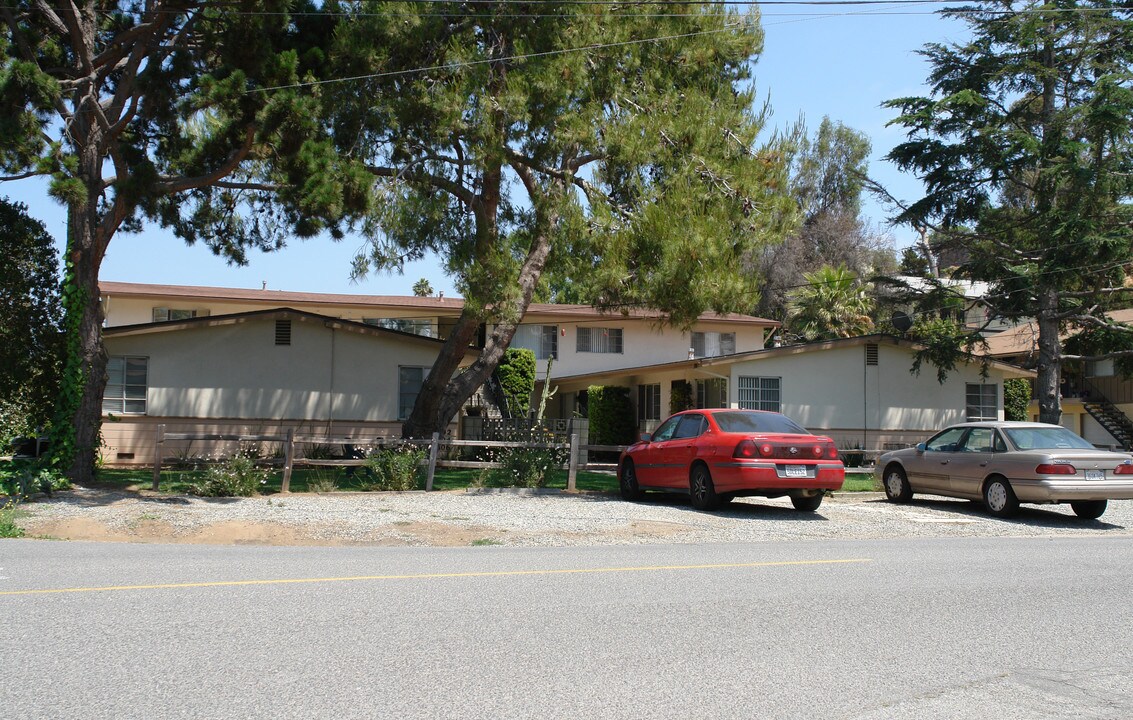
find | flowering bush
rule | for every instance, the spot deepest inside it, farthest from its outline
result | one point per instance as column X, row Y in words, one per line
column 522, row 466
column 395, row 468
column 236, row 477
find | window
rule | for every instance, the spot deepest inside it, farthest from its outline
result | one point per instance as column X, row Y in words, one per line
column 712, row 393
column 409, row 382
column 713, row 344
column 690, row 426
column 946, row 441
column 543, row 340
column 415, row 326
column 982, row 440
column 982, row 402
column 161, row 314
column 126, row 382
column 666, row 430
column 648, row 402
column 599, row 340
column 282, row 332
column 759, row 393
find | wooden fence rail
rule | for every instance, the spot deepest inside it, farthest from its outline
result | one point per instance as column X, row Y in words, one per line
column 290, row 461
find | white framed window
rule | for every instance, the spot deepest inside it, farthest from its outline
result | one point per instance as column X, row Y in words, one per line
column 760, row 393
column 543, row 340
column 649, row 402
column 409, row 382
column 982, row 402
column 713, row 344
column 416, row 326
column 599, row 340
column 127, row 379
column 164, row 314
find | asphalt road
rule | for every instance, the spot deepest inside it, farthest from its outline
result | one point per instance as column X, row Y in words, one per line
column 923, row 628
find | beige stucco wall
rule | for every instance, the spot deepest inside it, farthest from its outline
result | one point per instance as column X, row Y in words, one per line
column 237, row 371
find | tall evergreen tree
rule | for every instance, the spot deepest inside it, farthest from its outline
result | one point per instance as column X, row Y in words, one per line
column 30, row 322
column 183, row 113
column 611, row 148
column 1026, row 150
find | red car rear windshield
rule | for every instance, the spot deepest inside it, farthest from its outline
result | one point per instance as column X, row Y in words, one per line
column 757, row 422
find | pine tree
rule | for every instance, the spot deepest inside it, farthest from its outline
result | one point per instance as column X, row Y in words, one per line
column 1026, row 150
column 612, row 150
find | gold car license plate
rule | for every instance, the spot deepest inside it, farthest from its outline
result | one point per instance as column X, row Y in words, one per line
column 1095, row 475
column 794, row 470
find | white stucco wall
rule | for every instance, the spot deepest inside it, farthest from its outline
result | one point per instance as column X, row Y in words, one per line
column 237, row 371
column 643, row 344
column 836, row 389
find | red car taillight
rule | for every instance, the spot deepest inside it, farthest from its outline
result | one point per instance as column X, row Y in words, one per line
column 746, row 449
column 1123, row 469
column 1056, row 469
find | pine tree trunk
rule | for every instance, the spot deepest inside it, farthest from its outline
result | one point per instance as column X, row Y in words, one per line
column 1050, row 359
column 88, row 236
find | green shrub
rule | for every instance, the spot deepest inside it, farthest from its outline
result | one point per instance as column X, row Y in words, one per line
column 395, row 468
column 236, row 477
column 517, row 378
column 20, row 479
column 1016, row 398
column 680, row 396
column 612, row 420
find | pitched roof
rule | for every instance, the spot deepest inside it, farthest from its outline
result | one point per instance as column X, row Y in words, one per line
column 270, row 314
column 443, row 305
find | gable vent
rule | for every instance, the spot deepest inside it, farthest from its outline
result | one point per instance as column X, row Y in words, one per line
column 282, row 332
column 871, row 354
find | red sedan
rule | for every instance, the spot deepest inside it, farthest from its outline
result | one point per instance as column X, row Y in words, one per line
column 718, row 454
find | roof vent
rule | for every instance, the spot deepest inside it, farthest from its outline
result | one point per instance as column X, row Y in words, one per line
column 871, row 354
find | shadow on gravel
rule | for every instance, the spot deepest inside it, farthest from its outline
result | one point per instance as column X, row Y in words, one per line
column 1041, row 516
column 97, row 497
column 749, row 507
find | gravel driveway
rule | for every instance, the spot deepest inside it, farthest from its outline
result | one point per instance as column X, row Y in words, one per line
column 526, row 518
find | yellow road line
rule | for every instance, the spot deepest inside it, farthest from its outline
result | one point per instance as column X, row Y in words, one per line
column 432, row 576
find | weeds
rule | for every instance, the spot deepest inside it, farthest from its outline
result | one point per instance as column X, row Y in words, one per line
column 322, row 482
column 8, row 514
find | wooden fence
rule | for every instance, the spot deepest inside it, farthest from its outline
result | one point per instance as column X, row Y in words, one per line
column 291, row 460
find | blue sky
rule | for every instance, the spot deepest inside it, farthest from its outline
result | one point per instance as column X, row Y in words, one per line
column 841, row 64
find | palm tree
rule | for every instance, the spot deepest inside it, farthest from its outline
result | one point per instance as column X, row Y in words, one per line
column 833, row 304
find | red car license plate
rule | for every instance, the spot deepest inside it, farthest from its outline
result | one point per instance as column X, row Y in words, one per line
column 794, row 470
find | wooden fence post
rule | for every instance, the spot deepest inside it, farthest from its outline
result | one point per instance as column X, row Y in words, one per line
column 158, row 449
column 288, row 460
column 572, row 471
column 432, row 461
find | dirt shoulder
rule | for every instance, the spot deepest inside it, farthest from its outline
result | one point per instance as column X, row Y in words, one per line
column 522, row 518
